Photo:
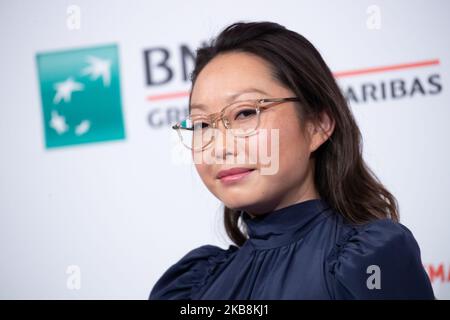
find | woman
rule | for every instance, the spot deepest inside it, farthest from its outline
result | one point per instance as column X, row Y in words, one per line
column 319, row 224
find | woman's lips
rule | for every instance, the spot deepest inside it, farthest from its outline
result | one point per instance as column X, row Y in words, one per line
column 234, row 174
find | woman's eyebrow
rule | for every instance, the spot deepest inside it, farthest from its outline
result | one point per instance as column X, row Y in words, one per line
column 239, row 93
column 230, row 98
column 197, row 106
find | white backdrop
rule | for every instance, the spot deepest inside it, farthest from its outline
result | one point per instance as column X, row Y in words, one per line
column 106, row 219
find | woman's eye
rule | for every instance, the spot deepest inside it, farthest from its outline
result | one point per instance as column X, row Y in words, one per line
column 243, row 114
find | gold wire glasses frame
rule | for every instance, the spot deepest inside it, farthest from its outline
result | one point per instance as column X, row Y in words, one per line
column 241, row 117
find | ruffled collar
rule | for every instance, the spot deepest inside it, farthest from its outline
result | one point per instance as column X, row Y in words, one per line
column 284, row 225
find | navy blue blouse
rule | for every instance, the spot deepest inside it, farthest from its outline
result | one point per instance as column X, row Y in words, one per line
column 303, row 251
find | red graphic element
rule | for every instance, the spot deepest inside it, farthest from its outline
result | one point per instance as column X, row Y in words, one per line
column 167, row 96
column 438, row 272
column 394, row 67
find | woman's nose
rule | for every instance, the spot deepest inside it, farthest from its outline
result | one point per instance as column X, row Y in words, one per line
column 223, row 143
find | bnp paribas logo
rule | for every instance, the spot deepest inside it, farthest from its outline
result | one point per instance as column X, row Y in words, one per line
column 80, row 92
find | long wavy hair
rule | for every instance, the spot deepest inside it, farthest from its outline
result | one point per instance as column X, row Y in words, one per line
column 341, row 175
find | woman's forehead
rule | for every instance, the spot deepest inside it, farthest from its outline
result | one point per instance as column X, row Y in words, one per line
column 232, row 70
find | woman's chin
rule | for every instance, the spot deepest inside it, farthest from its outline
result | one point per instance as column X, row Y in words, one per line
column 236, row 204
column 241, row 203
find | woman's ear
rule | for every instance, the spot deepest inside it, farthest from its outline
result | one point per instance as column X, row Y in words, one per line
column 320, row 130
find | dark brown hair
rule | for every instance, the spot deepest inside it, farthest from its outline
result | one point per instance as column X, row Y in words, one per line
column 341, row 176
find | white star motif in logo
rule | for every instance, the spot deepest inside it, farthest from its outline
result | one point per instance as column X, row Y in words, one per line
column 83, row 127
column 98, row 68
column 64, row 90
column 58, row 123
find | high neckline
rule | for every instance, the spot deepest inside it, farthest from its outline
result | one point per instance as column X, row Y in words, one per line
column 285, row 224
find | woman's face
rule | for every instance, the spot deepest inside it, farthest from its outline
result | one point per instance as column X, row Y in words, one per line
column 257, row 191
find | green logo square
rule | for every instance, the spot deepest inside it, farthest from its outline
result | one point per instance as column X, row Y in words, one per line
column 80, row 92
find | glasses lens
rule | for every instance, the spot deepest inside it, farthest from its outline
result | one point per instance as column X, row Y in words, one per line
column 195, row 132
column 243, row 119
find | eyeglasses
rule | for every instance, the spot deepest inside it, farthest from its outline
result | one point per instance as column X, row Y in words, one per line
column 241, row 118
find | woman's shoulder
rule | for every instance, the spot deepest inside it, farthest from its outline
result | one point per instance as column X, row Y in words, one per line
column 379, row 259
column 378, row 234
column 190, row 272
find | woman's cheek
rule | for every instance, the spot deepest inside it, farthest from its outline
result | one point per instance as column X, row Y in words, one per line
column 203, row 172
